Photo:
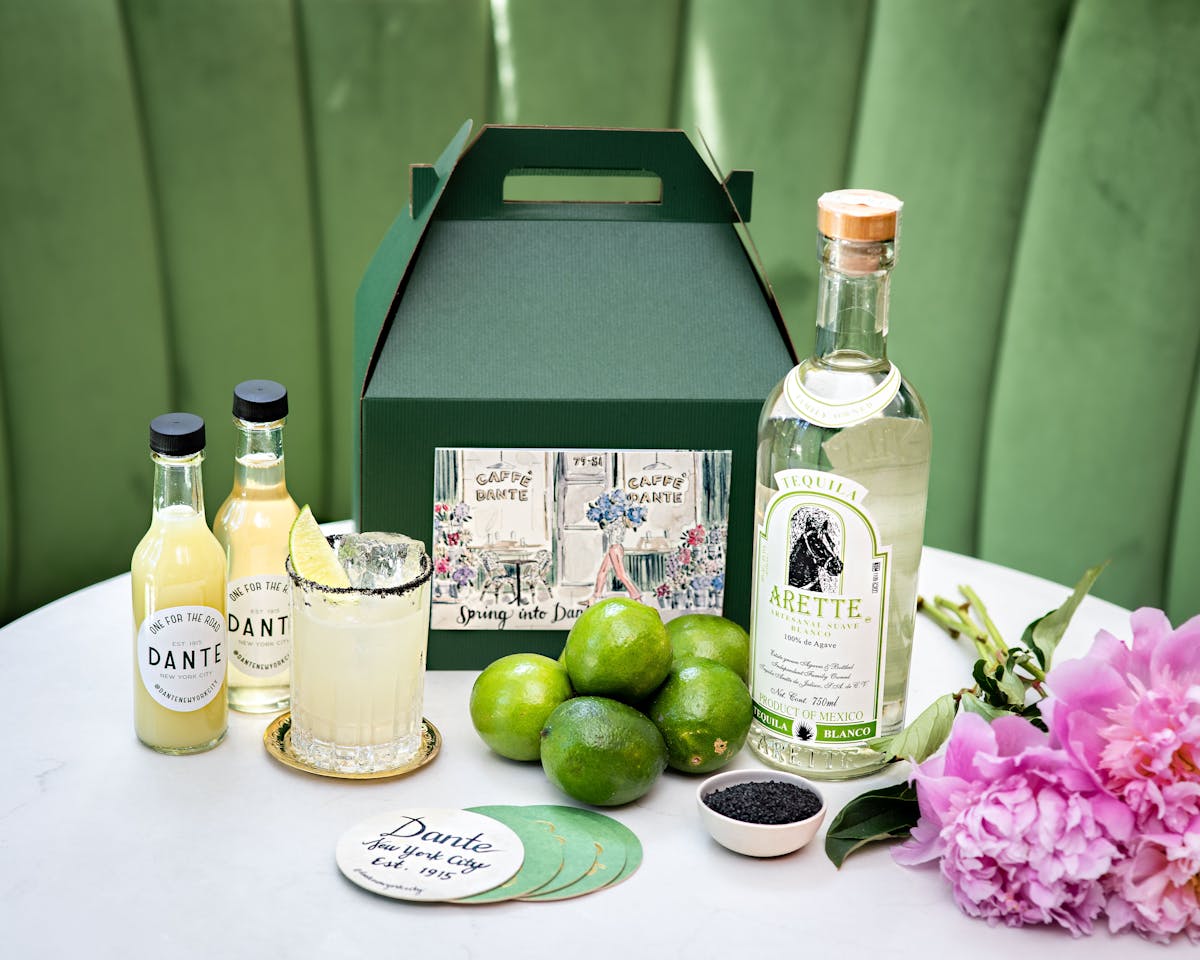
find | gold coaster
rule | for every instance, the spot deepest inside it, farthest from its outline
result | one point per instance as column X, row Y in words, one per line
column 278, row 741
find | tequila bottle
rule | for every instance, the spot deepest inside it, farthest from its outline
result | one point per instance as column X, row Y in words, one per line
column 178, row 573
column 252, row 526
column 843, row 472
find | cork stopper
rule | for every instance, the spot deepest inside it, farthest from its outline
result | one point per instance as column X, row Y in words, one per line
column 869, row 215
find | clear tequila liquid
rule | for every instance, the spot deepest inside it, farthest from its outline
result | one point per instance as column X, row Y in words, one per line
column 889, row 455
column 252, row 526
column 843, row 471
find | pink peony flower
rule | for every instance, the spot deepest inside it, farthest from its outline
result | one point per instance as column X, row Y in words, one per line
column 1131, row 716
column 1023, row 832
column 1154, row 889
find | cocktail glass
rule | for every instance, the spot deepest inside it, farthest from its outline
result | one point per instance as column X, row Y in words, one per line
column 358, row 671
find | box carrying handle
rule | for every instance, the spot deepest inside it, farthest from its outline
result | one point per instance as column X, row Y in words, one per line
column 689, row 191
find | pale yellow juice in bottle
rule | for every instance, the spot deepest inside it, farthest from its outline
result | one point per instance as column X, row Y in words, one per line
column 178, row 574
column 252, row 526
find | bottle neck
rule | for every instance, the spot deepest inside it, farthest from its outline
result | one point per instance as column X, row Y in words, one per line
column 852, row 303
column 177, row 483
column 258, row 456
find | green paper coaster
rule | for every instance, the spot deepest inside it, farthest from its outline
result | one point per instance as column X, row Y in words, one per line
column 579, row 853
column 610, row 838
column 579, row 856
column 543, row 855
column 633, row 854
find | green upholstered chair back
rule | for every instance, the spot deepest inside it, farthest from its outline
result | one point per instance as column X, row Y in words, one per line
column 190, row 190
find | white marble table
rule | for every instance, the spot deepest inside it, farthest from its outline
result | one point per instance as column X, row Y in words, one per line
column 108, row 849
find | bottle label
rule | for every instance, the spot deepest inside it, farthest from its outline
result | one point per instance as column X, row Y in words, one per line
column 260, row 619
column 181, row 656
column 819, row 626
column 844, row 412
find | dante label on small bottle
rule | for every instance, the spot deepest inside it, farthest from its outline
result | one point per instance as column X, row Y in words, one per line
column 260, row 613
column 181, row 656
column 820, row 609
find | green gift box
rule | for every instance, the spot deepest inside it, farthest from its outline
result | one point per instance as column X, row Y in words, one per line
column 561, row 397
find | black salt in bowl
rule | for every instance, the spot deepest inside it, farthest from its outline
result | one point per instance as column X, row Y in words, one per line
column 760, row 813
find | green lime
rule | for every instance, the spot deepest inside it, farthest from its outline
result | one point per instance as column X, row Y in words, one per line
column 703, row 712
column 618, row 648
column 511, row 700
column 601, row 751
column 312, row 556
column 711, row 637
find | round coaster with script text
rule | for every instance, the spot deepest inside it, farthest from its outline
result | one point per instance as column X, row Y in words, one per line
column 429, row 854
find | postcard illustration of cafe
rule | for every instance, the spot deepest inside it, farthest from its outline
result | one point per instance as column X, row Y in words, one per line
column 527, row 539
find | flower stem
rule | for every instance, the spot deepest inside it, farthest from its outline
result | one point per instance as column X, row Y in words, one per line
column 964, row 623
column 993, row 631
column 950, row 626
column 954, row 617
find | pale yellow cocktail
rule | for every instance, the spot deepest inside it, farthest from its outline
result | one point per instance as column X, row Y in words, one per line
column 358, row 670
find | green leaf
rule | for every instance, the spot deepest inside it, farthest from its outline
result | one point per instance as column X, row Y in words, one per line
column 923, row 737
column 1028, row 641
column 1011, row 685
column 999, row 687
column 1020, row 657
column 888, row 813
column 1033, row 713
column 987, row 685
column 1044, row 634
column 973, row 704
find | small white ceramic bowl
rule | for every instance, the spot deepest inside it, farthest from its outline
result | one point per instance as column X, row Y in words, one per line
column 757, row 839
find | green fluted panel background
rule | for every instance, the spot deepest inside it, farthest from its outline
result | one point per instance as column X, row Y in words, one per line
column 1183, row 570
column 224, row 118
column 389, row 82
column 84, row 350
column 7, row 506
column 774, row 89
column 1094, row 378
column 588, row 62
column 190, row 190
column 953, row 97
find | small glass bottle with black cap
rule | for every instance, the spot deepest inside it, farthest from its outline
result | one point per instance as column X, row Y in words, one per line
column 178, row 573
column 252, row 526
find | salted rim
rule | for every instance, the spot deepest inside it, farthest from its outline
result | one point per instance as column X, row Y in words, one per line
column 333, row 540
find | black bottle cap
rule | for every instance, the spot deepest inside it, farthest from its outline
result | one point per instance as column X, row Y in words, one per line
column 177, row 434
column 260, row 401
